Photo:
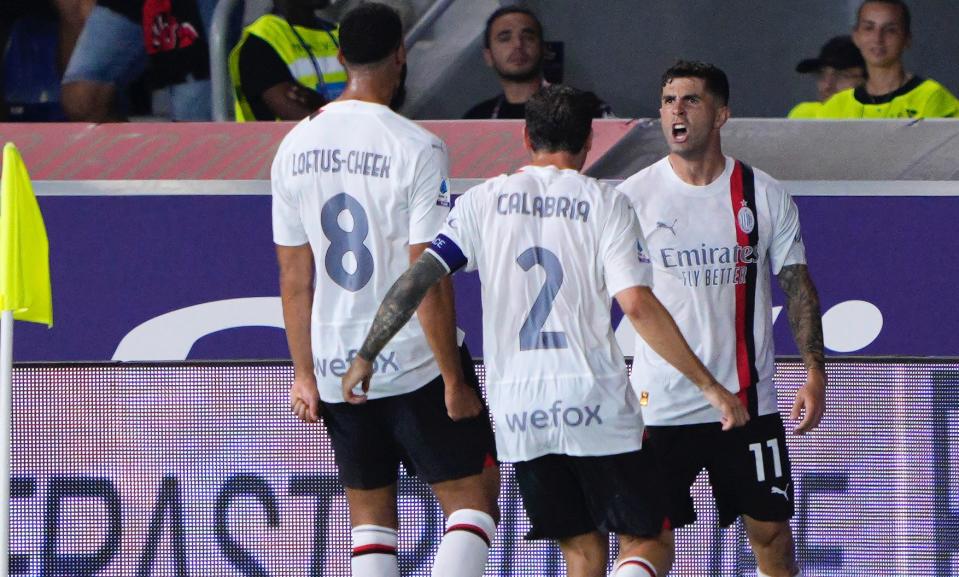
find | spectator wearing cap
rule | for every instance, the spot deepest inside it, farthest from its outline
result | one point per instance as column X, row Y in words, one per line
column 838, row 67
column 883, row 31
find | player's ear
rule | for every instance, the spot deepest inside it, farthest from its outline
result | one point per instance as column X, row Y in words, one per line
column 588, row 145
column 340, row 59
column 722, row 115
column 527, row 143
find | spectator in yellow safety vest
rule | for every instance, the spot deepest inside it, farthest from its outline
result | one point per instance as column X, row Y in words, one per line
column 285, row 65
column 838, row 67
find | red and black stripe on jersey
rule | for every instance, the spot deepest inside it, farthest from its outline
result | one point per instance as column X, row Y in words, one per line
column 743, row 193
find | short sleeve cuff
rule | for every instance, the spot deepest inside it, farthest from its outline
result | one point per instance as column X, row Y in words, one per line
column 289, row 239
column 796, row 255
column 629, row 277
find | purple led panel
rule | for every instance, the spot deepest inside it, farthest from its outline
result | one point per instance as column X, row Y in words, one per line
column 200, row 470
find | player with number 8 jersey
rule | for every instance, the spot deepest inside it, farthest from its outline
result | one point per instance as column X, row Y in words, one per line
column 359, row 192
column 360, row 183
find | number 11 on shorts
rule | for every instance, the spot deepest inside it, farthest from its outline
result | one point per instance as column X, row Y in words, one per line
column 757, row 449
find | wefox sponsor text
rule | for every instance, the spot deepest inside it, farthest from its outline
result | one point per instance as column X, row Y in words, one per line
column 544, row 418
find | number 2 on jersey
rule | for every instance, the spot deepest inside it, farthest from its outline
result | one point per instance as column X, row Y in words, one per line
column 343, row 242
column 531, row 334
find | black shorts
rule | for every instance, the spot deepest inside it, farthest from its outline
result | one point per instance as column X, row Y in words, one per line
column 565, row 496
column 371, row 440
column 748, row 469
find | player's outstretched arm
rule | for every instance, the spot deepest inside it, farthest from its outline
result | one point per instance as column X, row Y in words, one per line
column 805, row 320
column 438, row 318
column 394, row 312
column 296, row 294
column 656, row 326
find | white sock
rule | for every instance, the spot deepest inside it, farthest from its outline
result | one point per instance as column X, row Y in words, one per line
column 634, row 567
column 465, row 545
column 374, row 552
column 761, row 574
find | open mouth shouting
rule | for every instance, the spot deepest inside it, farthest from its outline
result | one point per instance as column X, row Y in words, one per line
column 680, row 134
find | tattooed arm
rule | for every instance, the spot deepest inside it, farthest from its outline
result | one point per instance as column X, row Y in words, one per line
column 437, row 316
column 395, row 311
column 805, row 320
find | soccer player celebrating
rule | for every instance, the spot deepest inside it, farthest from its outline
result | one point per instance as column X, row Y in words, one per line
column 361, row 191
column 552, row 247
column 714, row 228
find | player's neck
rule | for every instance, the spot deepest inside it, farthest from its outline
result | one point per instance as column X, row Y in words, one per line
column 561, row 160
column 699, row 170
column 520, row 92
column 886, row 79
column 369, row 88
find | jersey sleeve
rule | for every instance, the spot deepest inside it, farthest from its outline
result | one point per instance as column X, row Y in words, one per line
column 288, row 228
column 786, row 246
column 429, row 200
column 625, row 260
column 455, row 245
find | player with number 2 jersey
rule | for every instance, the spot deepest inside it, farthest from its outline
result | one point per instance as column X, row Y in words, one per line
column 552, row 248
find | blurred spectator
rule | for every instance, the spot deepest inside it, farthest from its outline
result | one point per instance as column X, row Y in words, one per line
column 29, row 76
column 120, row 38
column 285, row 65
column 30, row 80
column 513, row 41
column 839, row 67
column 73, row 14
column 883, row 31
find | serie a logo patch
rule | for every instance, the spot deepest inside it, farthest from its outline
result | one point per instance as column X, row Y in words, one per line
column 444, row 197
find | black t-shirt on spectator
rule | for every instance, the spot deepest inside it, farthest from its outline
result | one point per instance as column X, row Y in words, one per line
column 499, row 107
column 261, row 68
column 487, row 108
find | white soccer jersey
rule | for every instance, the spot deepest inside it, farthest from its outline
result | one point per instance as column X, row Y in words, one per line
column 360, row 183
column 551, row 246
column 712, row 248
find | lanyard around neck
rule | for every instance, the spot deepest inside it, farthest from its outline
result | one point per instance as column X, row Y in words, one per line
column 320, row 83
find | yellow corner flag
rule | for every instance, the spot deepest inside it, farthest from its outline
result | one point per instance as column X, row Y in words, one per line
column 24, row 253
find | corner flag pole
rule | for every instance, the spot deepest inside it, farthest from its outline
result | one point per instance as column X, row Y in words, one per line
column 24, row 296
column 6, row 390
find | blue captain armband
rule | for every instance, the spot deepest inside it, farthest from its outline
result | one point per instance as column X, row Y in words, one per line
column 448, row 253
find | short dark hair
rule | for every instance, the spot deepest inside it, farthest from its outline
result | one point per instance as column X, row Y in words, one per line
column 906, row 16
column 369, row 33
column 503, row 12
column 715, row 79
column 559, row 118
